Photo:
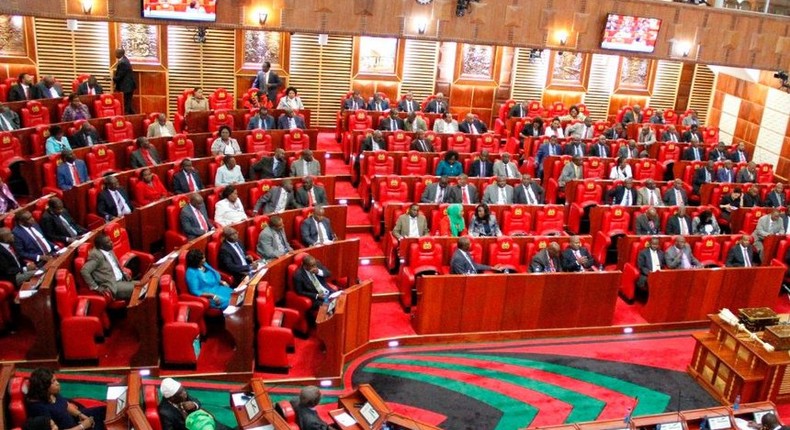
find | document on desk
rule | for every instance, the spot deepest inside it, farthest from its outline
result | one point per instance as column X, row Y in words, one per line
column 345, row 419
column 266, row 427
column 230, row 310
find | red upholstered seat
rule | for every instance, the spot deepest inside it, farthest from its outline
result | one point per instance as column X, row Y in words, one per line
column 221, row 99
column 398, row 141
column 423, row 257
column 390, row 190
column 487, row 142
column 594, row 168
column 615, row 221
column 123, row 249
column 10, row 150
column 459, row 142
column 631, row 270
column 17, row 410
column 253, row 231
column 259, row 141
column 212, row 255
column 174, row 237
column 220, row 118
column 180, row 147
column 118, row 129
column 507, row 253
column 151, row 404
column 185, row 296
column 107, row 105
column 708, row 251
column 275, row 329
column 182, row 324
column 301, row 304
column 550, row 220
column 100, row 161
column 648, row 169
column 517, row 221
column 535, row 109
column 750, row 219
column 359, row 120
column 39, row 138
column 765, row 173
column 587, row 194
column 670, row 117
column 710, row 134
column 500, row 122
column 82, row 319
column 296, row 140
column 49, row 172
column 435, row 139
column 379, row 163
column 413, row 163
column 261, row 188
column 34, row 113
column 599, row 127
column 669, row 153
column 621, row 113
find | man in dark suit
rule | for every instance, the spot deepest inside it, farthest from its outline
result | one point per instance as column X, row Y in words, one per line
column 670, row 135
column 482, row 167
column 124, row 80
column 275, row 166
column 748, row 174
column 692, row 135
column 277, row 199
column 679, row 255
column 600, row 148
column 49, row 89
column 550, row 148
column 103, row 272
column 310, row 280
column 316, row 229
column 528, row 192
column 408, row 104
column 355, row 102
column 146, row 154
column 232, row 257
column 187, row 179
column 24, row 89
column 726, row 174
column 374, row 142
column 633, row 116
column 577, row 258
column 624, row 195
column 576, row 147
column 194, row 219
column 90, row 87
column 71, row 172
column 290, row 121
column 742, row 254
column 693, row 152
column 462, row 262
column 267, row 81
column 261, row 120
column 676, row 196
column 720, row 153
column 309, row 195
column 703, row 175
column 85, row 136
column 648, row 223
column 617, row 131
column 420, row 143
column 12, row 268
column 304, row 406
column 472, row 125
column 650, row 259
column 437, row 105
column 751, row 198
column 519, row 110
column 770, row 421
column 467, row 191
column 29, row 241
column 547, row 260
column 112, row 201
column 440, row 192
column 378, row 104
column 739, row 155
column 58, row 225
column 679, row 223
column 776, row 197
column 393, row 122
column 9, row 120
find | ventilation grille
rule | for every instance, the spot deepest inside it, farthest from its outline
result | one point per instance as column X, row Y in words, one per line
column 207, row 65
column 65, row 54
column 419, row 68
column 603, row 71
column 665, row 89
column 529, row 76
column 701, row 90
column 322, row 74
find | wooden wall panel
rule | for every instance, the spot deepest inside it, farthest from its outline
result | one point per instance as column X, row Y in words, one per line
column 478, row 100
column 529, row 76
column 419, row 68
column 618, row 101
column 701, row 90
column 601, row 86
column 568, row 98
column 367, row 87
column 665, row 88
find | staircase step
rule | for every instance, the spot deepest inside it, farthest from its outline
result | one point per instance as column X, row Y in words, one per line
column 378, row 260
column 359, row 229
column 386, row 297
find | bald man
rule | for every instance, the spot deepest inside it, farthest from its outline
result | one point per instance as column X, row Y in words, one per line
column 547, row 260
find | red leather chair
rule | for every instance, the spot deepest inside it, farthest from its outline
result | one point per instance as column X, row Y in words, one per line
column 413, row 163
column 34, row 113
column 79, row 262
column 710, row 134
column 558, row 109
column 535, row 109
column 107, row 105
column 378, row 164
column 221, row 99
column 391, row 190
column 49, row 172
column 180, row 147
column 100, row 161
column 254, row 228
column 487, row 142
column 708, row 252
column 212, row 255
column 261, row 187
column 360, row 120
column 150, row 119
column 631, row 270
column 285, row 409
column 670, row 117
column 82, row 319
column 275, row 329
column 621, row 113
column 648, row 169
column 118, row 129
column 10, row 150
column 182, row 324
column 185, row 296
column 38, row 139
column 599, row 127
column 765, row 173
column 507, row 253
column 259, row 141
column 296, row 140
column 301, row 304
column 435, row 140
column 550, row 220
column 588, row 194
column 750, row 219
column 615, row 222
column 174, row 236
column 668, row 153
column 423, row 257
column 500, row 123
column 594, row 168
column 779, row 256
column 123, row 249
column 399, row 141
column 516, row 221
column 181, row 100
column 459, row 142
column 218, row 119
column 4, row 92
column 151, row 403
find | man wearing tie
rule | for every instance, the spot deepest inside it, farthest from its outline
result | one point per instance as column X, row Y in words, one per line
column 600, row 148
column 648, row 223
column 90, row 87
column 71, row 172
column 482, row 167
column 747, row 175
column 232, row 257
column 310, row 281
column 703, row 175
column 649, row 195
column 670, row 135
column 547, row 260
column 498, row 193
column 261, row 120
column 267, row 81
column 768, row 224
column 719, row 154
column 650, row 259
column 270, row 167
column 378, row 104
column 776, row 198
column 548, row 149
column 272, row 242
column 693, row 152
column 679, row 256
column 472, row 125
column 679, row 223
column 9, row 120
column 146, row 154
column 85, row 137
column 12, row 268
column 467, row 192
column 624, row 195
column 577, row 258
column 575, row 148
column 676, row 196
column 194, row 218
column 392, row 122
column 411, row 224
column 316, row 230
column 290, row 121
column 309, row 195
column 741, row 255
column 23, row 89
column 692, row 135
column 421, row 144
column 739, row 155
column 29, row 241
column 58, row 226
column 103, row 272
column 408, row 104
column 437, row 105
column 726, row 174
column 440, row 192
column 505, row 167
column 187, row 179
column 354, row 102
column 528, row 192
column 571, row 171
column 462, row 261
column 113, row 201
column 580, row 130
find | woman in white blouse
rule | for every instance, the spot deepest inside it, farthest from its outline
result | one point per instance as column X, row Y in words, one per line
column 225, row 145
column 446, row 124
column 228, row 173
column 291, row 100
column 622, row 170
column 229, row 210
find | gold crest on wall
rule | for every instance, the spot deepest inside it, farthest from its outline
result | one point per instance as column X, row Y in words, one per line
column 12, row 36
column 568, row 71
column 141, row 42
column 635, row 76
column 260, row 46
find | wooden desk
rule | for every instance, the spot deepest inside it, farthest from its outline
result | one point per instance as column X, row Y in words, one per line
column 365, row 395
column 125, row 412
column 143, row 314
column 197, row 122
column 265, row 415
column 346, row 330
column 240, row 325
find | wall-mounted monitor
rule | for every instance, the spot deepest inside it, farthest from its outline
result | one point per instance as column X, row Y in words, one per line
column 181, row 10
column 630, row 33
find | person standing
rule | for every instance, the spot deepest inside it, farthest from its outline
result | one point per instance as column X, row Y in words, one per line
column 124, row 80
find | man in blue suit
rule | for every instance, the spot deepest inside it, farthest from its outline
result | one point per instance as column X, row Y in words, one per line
column 289, row 121
column 547, row 149
column 29, row 241
column 261, row 120
column 267, row 81
column 316, row 230
column 462, row 262
column 378, row 104
column 232, row 257
column 71, row 171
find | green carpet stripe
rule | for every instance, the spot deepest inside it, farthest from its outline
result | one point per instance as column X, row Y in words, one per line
column 83, row 390
column 515, row 414
column 585, row 408
column 650, row 401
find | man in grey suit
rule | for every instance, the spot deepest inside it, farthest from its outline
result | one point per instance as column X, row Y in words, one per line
column 768, row 224
column 278, row 199
column 629, row 151
column 48, row 89
column 411, row 224
column 9, row 120
column 648, row 223
column 440, row 192
column 462, row 262
column 649, row 195
column 571, row 171
column 145, row 155
column 467, row 191
column 679, row 256
column 528, row 192
column 272, row 242
column 676, row 196
column 505, row 167
column 161, row 127
column 316, row 230
column 267, row 81
column 306, row 165
column 309, row 195
column 103, row 272
column 194, row 218
column 498, row 193
column 547, row 260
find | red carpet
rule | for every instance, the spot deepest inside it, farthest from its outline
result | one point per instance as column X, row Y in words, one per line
column 344, row 189
column 357, row 216
column 383, row 282
column 389, row 320
column 367, row 246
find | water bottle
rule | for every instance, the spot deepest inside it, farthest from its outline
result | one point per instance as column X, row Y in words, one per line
column 737, row 404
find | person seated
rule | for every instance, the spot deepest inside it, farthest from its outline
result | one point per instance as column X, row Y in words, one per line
column 103, row 272
column 86, row 136
column 670, row 134
column 776, row 197
column 463, row 263
column 277, row 199
column 719, row 153
column 506, row 167
column 519, row 110
column 187, row 179
column 374, row 142
column 482, row 167
column 420, row 143
column 676, row 196
column 58, row 225
column 554, row 129
column 752, row 197
column 739, row 155
column 577, row 258
column 311, row 281
column 648, row 223
column 449, row 166
column 679, row 223
column 467, row 191
column 378, row 103
column 472, row 125
column 272, row 167
column 616, row 131
column 71, row 172
column 228, row 173
column 196, row 102
column 549, row 148
column 309, row 195
column 694, row 152
column 622, row 170
column 440, row 192
column 272, row 242
column 498, row 193
column 742, row 254
column 575, row 147
column 316, row 229
column 646, row 138
column 224, row 144
column 289, row 121
column 306, row 165
column 658, row 117
column 691, row 119
column 392, row 122
column 532, row 129
column 146, row 154
column 24, row 89
column 629, row 150
column 692, row 135
column 9, row 120
column 703, row 175
column 633, row 116
column 232, row 257
column 484, row 223
column 580, row 130
column 705, row 224
column 768, row 225
column 7, row 200
column 194, row 218
column 29, row 241
column 747, row 175
column 446, row 124
column 204, row 281
column 177, row 406
column 261, row 120
column 438, row 105
column 547, row 260
column 13, row 268
column 161, row 127
column 528, row 192
column 304, row 407
column 149, row 189
column 408, row 104
column 679, row 256
column 47, row 88
column 44, row 399
column 452, row 223
column 624, row 195
column 731, row 202
column 649, row 195
column 229, row 210
column 57, row 141
column 726, row 174
column 573, row 171
column 112, row 201
column 256, row 101
column 75, row 110
column 411, row 224
column 649, row 260
column 414, row 123
column 355, row 102
column 90, row 87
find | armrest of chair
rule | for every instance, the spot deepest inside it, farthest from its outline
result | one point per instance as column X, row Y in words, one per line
column 190, row 312
column 85, row 325
column 96, row 305
column 295, row 301
column 628, row 281
column 186, row 298
column 575, row 215
column 8, row 288
column 290, row 317
column 552, row 190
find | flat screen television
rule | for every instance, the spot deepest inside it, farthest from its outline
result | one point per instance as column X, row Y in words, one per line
column 181, row 10
column 630, row 33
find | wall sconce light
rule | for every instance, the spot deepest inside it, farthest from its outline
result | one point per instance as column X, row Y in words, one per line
column 562, row 37
column 87, row 6
column 685, row 49
column 422, row 25
column 262, row 17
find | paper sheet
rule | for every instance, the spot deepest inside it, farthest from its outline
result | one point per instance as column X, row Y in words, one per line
column 345, row 419
column 115, row 392
column 230, row 310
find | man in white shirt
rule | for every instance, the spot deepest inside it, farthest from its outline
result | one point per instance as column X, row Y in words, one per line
column 29, row 241
column 103, row 272
column 316, row 230
column 679, row 255
column 15, row 270
column 498, row 193
column 272, row 242
column 741, row 255
column 161, row 127
column 467, row 192
column 505, row 167
column 650, row 260
column 554, row 129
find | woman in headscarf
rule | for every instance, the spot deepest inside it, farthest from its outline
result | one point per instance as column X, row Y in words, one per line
column 452, row 224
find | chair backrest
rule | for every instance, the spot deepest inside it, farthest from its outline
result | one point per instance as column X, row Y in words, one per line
column 10, row 150
column 151, row 399
column 380, row 163
column 504, row 251
column 220, row 99
column 261, row 188
column 173, row 212
column 708, row 250
column 38, row 139
column 413, row 164
column 398, row 141
column 168, row 299
column 426, row 253
column 220, row 118
column 264, row 304
column 648, row 169
column 107, row 105
column 669, row 151
column 487, row 142
column 119, row 237
column 550, row 220
column 588, row 193
column 459, row 142
column 392, row 189
column 17, row 411
column 180, row 147
column 100, row 161
column 535, row 108
column 118, row 128
column 259, row 141
column 359, row 120
column 254, row 229
column 181, row 101
column 65, row 293
column 670, row 117
column 34, row 113
column 615, row 221
column 594, row 168
column 517, row 220
column 296, row 140
column 504, row 109
column 765, row 173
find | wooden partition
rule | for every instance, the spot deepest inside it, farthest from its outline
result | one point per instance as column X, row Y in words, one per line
column 363, row 395
column 345, row 330
column 197, row 121
column 125, row 412
column 254, row 409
